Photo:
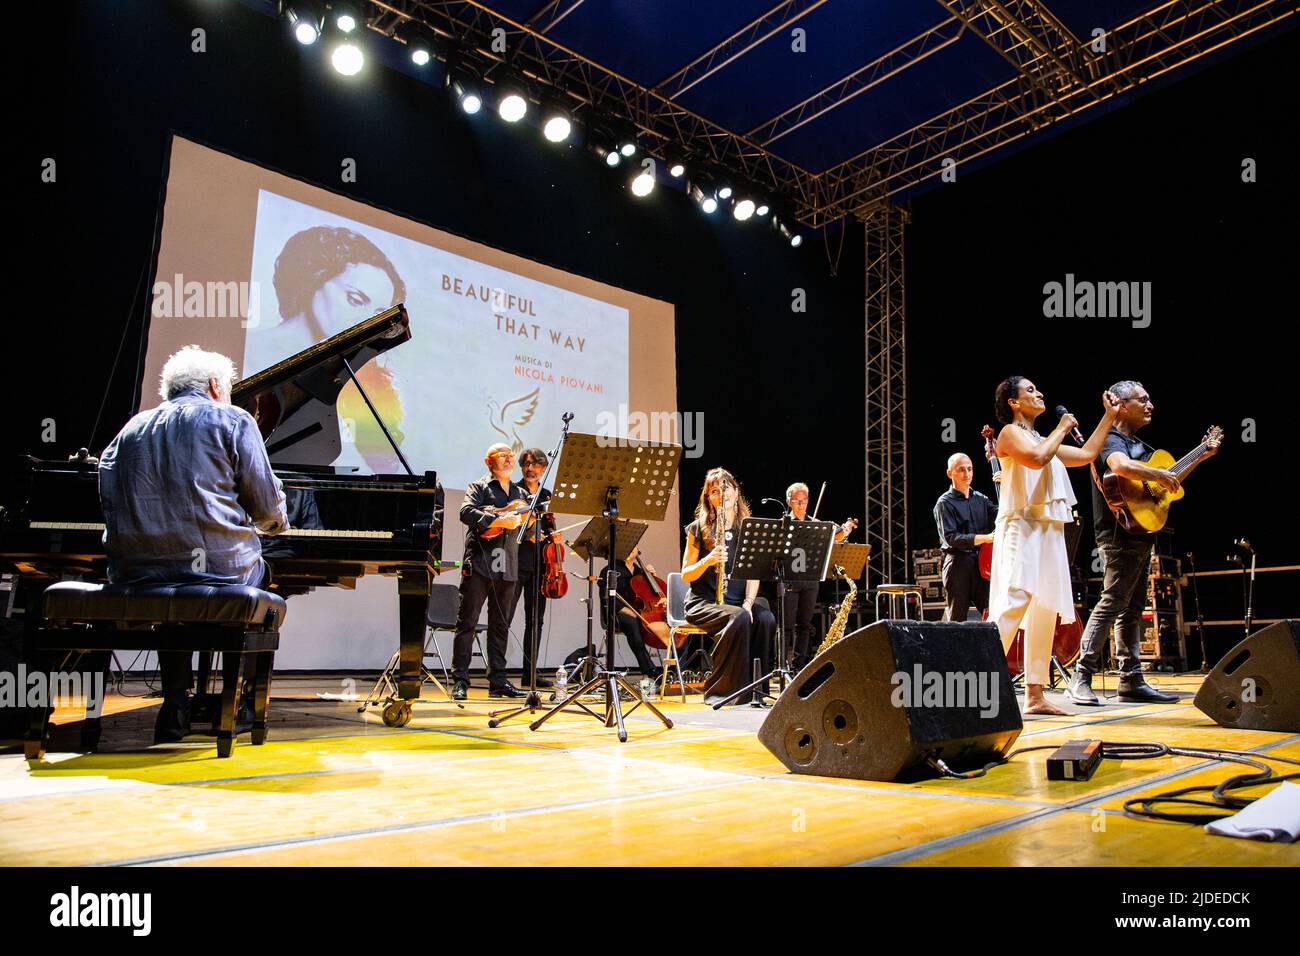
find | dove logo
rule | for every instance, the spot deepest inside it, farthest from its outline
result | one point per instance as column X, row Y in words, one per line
column 507, row 419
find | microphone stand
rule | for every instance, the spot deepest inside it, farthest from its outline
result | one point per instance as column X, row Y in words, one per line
column 1248, row 590
column 1200, row 621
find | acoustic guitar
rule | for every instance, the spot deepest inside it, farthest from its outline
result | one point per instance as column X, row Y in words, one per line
column 1143, row 506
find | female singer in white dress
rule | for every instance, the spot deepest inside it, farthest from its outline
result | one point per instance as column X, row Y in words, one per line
column 1030, row 581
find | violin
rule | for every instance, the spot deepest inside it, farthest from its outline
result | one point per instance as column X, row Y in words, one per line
column 554, row 583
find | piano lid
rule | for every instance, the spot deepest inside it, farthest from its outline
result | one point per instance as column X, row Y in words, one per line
column 294, row 400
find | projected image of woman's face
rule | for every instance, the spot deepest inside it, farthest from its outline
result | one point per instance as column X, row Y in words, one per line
column 352, row 296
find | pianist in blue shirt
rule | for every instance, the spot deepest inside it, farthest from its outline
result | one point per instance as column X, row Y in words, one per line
column 185, row 488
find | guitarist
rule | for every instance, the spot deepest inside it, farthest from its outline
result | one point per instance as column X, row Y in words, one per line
column 1126, row 558
column 965, row 519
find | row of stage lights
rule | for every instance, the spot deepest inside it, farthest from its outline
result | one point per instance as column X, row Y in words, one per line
column 611, row 139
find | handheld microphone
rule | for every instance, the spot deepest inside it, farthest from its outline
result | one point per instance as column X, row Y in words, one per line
column 1061, row 411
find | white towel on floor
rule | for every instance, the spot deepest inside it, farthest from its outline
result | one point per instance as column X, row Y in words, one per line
column 1272, row 817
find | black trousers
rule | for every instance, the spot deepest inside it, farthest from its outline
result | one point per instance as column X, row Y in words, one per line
column 176, row 669
column 630, row 625
column 742, row 637
column 800, row 603
column 963, row 585
column 499, row 596
column 1126, row 561
column 534, row 614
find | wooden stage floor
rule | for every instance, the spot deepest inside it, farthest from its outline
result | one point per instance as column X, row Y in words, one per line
column 334, row 787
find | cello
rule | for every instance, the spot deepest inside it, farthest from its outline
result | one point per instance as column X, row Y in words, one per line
column 652, row 605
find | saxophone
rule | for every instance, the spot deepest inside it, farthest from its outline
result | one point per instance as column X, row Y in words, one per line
column 841, row 621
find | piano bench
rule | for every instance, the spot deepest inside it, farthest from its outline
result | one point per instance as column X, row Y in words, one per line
column 241, row 623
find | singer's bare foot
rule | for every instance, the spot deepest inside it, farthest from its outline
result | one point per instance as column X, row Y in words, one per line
column 1036, row 703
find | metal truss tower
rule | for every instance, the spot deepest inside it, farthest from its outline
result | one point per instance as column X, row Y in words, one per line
column 885, row 309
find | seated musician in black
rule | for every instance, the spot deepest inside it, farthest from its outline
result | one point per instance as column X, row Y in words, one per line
column 743, row 626
column 965, row 520
column 185, row 488
column 489, row 572
column 626, row 619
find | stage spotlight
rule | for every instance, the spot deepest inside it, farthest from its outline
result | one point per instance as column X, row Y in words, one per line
column 419, row 42
column 557, row 120
column 724, row 186
column 304, row 18
column 625, row 143
column 347, row 15
column 762, row 209
column 347, row 57
column 462, row 79
column 602, row 140
column 703, row 194
column 512, row 95
column 644, row 183
column 743, row 209
column 779, row 223
column 675, row 160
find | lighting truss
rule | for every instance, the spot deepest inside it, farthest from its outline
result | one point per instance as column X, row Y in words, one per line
column 1057, row 76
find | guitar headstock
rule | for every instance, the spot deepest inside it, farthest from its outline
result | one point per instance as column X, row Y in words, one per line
column 1213, row 438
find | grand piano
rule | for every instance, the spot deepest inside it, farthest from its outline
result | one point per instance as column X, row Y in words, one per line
column 343, row 524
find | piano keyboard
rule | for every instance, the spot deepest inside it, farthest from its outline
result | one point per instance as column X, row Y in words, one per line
column 291, row 533
column 333, row 533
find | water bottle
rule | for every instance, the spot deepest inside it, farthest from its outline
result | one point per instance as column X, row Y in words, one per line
column 647, row 689
column 561, row 684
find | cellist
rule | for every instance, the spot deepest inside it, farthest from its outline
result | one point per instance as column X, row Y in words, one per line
column 626, row 618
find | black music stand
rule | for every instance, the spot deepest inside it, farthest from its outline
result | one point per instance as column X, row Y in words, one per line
column 780, row 550
column 613, row 478
column 592, row 543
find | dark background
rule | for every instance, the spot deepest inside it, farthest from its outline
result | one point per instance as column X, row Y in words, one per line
column 1149, row 192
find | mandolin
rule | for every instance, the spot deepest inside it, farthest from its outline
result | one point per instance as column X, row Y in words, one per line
column 1142, row 507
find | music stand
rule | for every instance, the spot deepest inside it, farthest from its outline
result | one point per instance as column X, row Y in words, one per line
column 592, row 543
column 614, row 478
column 779, row 549
column 850, row 556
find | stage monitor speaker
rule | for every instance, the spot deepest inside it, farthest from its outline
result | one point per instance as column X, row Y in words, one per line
column 882, row 701
column 1256, row 685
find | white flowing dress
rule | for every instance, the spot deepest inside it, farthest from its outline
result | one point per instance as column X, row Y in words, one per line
column 1029, row 538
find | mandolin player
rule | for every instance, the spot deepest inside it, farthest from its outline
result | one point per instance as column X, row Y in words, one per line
column 965, row 519
column 489, row 572
column 1126, row 558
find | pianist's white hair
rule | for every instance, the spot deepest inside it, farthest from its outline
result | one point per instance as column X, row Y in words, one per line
column 191, row 368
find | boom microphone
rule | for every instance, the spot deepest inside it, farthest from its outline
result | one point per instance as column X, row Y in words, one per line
column 1061, row 412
